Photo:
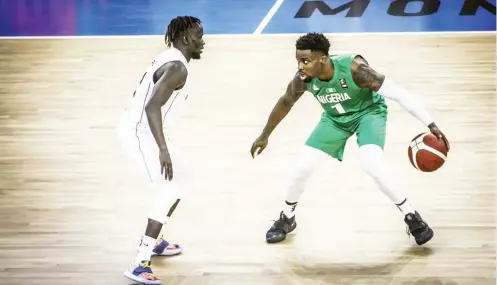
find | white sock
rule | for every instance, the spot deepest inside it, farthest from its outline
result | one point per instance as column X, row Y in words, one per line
column 307, row 161
column 405, row 207
column 372, row 163
column 145, row 249
column 289, row 209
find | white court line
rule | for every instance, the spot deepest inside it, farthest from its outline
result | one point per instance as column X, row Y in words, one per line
column 268, row 17
column 252, row 35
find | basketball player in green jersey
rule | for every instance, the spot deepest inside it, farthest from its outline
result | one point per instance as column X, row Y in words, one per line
column 352, row 96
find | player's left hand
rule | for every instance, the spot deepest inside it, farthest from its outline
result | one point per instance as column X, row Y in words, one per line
column 438, row 133
column 259, row 145
column 166, row 166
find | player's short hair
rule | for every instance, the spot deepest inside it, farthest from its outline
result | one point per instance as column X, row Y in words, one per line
column 179, row 25
column 313, row 42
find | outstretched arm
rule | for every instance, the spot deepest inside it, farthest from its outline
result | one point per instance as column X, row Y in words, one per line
column 293, row 92
column 366, row 77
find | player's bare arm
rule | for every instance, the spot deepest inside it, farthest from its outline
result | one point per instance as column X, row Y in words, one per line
column 366, row 77
column 294, row 90
column 171, row 76
column 296, row 87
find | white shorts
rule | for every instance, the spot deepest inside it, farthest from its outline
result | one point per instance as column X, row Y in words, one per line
column 140, row 146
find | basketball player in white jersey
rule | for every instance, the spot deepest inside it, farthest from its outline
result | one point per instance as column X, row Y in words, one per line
column 143, row 132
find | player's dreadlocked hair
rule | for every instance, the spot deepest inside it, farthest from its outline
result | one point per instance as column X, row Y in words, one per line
column 314, row 42
column 179, row 25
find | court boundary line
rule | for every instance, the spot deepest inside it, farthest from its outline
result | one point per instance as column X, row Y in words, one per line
column 262, row 25
column 252, row 35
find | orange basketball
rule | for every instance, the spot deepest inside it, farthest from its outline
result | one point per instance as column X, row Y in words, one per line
column 426, row 152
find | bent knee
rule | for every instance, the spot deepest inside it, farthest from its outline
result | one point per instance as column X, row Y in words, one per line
column 308, row 160
column 371, row 160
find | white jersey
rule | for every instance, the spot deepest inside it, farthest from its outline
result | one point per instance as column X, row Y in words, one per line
column 134, row 118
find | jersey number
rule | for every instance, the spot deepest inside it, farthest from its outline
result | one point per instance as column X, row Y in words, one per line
column 339, row 108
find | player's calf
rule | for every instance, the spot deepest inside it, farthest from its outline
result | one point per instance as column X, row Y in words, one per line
column 281, row 227
column 418, row 228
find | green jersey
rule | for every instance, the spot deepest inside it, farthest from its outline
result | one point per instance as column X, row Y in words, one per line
column 342, row 100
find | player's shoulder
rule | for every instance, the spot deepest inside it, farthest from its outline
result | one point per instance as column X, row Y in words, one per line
column 297, row 80
column 170, row 55
column 171, row 60
column 171, row 71
column 349, row 61
column 175, row 67
column 345, row 58
column 297, row 85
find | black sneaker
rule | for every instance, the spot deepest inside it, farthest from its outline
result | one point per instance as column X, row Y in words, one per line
column 280, row 229
column 418, row 228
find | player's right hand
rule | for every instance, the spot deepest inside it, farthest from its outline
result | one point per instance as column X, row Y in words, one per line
column 438, row 133
column 166, row 168
column 259, row 145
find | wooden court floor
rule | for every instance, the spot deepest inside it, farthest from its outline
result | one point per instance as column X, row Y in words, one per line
column 72, row 207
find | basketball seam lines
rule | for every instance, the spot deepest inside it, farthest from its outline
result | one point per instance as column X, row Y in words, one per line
column 415, row 148
column 418, row 144
column 414, row 152
column 438, row 153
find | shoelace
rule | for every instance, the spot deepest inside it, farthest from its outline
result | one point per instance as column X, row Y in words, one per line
column 416, row 225
column 279, row 225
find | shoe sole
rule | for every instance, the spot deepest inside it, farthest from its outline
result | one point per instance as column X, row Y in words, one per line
column 140, row 280
column 429, row 237
column 169, row 252
column 291, row 231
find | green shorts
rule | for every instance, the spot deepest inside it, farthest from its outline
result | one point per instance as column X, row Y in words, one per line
column 331, row 136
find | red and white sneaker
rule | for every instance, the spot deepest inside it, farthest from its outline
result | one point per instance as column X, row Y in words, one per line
column 164, row 248
column 142, row 273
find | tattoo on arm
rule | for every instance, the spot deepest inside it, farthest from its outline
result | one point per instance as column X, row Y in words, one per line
column 366, row 77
